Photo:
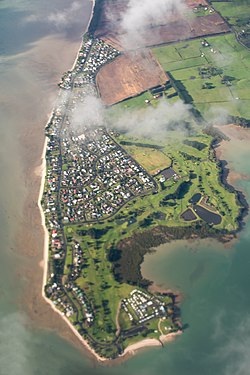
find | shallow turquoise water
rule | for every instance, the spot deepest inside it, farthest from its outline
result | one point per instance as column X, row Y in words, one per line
column 214, row 280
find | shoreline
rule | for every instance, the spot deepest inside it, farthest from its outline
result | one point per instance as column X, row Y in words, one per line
column 44, row 264
column 131, row 349
column 230, row 132
column 147, row 343
column 228, row 175
column 41, row 172
column 86, row 31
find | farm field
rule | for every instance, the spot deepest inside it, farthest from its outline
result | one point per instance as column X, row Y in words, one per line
column 237, row 15
column 232, row 11
column 222, row 67
column 195, row 23
column 129, row 75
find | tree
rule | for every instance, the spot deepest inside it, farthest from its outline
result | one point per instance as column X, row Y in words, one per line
column 208, row 86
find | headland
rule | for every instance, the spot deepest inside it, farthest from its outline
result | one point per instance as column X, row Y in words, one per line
column 109, row 195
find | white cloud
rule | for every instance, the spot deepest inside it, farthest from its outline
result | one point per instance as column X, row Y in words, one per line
column 234, row 350
column 154, row 122
column 66, row 16
column 61, row 18
column 89, row 113
column 14, row 352
column 151, row 123
column 146, row 13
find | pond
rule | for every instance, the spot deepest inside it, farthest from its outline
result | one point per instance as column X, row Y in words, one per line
column 206, row 215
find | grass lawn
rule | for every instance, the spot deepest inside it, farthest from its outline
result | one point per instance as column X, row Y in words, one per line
column 139, row 102
column 151, row 159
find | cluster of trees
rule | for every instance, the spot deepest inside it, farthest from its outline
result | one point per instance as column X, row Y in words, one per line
column 127, row 256
column 198, row 145
column 189, row 157
column 180, row 192
column 181, row 89
column 216, row 134
column 209, row 71
column 94, row 233
column 207, row 86
column 138, row 144
column 241, row 121
column 244, row 38
column 227, row 80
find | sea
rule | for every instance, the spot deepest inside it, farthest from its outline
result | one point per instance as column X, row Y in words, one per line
column 38, row 42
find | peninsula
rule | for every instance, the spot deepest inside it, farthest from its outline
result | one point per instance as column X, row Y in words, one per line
column 130, row 164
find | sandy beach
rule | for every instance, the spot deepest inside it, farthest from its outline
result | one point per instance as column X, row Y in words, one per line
column 41, row 171
column 33, row 233
column 141, row 345
column 76, row 339
column 132, row 349
column 41, row 68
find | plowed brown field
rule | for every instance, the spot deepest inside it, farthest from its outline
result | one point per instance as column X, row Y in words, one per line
column 179, row 27
column 129, row 75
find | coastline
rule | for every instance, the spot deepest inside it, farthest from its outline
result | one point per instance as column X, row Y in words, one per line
column 86, row 31
column 45, row 342
column 233, row 132
column 41, row 172
column 44, row 264
column 143, row 344
column 131, row 349
column 229, row 176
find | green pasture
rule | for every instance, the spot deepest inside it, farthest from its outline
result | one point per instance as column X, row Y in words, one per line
column 232, row 10
column 184, row 59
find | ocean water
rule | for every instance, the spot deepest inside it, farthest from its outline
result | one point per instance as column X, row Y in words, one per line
column 34, row 51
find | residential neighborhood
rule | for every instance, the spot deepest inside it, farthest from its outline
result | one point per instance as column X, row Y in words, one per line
column 98, row 177
column 93, row 54
column 90, row 177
